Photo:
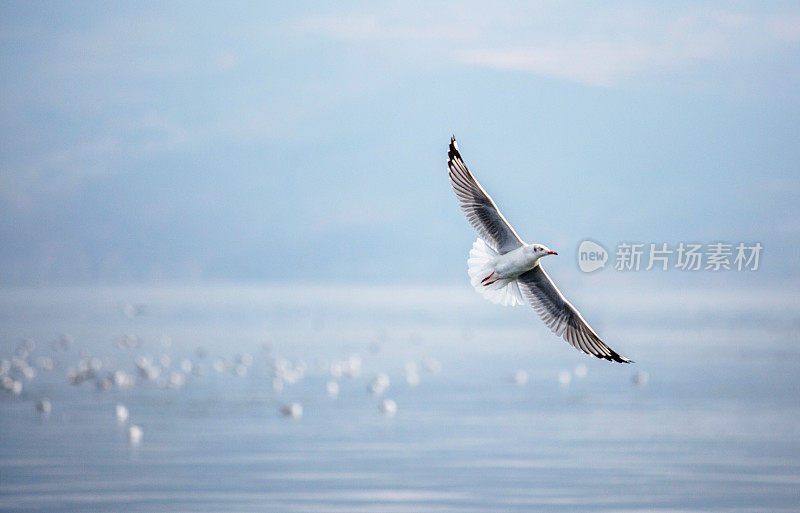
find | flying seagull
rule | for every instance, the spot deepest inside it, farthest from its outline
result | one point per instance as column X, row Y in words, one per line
column 506, row 270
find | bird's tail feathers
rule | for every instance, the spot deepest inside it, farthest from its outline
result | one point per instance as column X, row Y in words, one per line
column 480, row 268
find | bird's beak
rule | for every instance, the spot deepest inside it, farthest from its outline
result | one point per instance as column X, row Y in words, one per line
column 552, row 253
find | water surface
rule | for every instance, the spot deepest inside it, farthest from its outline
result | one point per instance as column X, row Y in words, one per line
column 716, row 427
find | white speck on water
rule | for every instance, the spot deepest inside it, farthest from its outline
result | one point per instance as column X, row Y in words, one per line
column 104, row 383
column 379, row 384
column 432, row 365
column 135, row 434
column 44, row 406
column 121, row 412
column 146, row 368
column 388, row 407
column 220, row 365
column 293, row 410
column 352, row 367
column 122, row 379
column 95, row 364
column 412, row 373
column 520, row 377
column 640, row 378
column 332, row 388
column 175, row 380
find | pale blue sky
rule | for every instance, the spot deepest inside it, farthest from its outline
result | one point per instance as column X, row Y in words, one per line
column 304, row 142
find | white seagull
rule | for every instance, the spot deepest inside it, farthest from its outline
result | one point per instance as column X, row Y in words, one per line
column 504, row 269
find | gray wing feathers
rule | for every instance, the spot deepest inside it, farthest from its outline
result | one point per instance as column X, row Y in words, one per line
column 561, row 317
column 481, row 211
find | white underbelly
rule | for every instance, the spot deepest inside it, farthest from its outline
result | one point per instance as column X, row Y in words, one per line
column 512, row 264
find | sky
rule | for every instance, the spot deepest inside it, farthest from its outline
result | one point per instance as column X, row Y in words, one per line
column 296, row 142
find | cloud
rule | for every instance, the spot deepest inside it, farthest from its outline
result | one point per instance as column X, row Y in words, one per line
column 600, row 60
column 598, row 65
column 410, row 26
column 601, row 45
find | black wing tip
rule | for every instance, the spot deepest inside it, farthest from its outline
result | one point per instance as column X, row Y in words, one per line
column 616, row 357
column 452, row 151
column 612, row 356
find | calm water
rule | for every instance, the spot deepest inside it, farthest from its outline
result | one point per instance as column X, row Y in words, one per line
column 716, row 426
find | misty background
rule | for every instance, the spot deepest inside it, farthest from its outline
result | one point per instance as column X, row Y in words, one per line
column 144, row 142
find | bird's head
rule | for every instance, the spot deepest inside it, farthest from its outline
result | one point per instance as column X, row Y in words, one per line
column 539, row 250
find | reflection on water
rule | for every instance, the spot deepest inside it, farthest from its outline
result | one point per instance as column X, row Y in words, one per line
column 390, row 399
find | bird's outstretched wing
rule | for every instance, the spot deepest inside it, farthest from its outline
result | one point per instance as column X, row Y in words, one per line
column 561, row 317
column 478, row 206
